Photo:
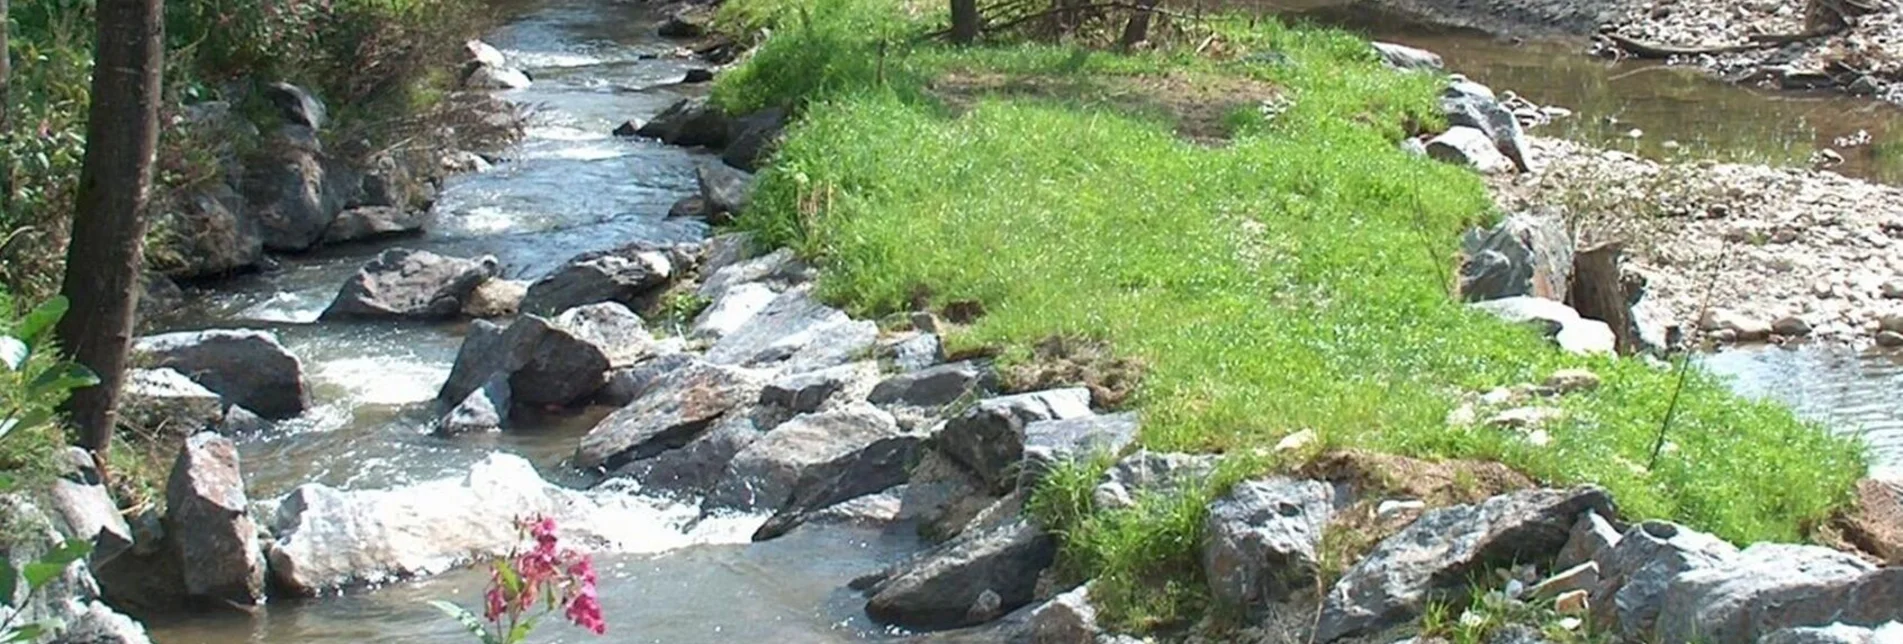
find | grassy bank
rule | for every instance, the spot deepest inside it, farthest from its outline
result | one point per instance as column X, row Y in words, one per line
column 1271, row 269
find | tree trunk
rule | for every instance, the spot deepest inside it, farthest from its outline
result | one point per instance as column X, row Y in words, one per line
column 1598, row 292
column 964, row 15
column 1138, row 29
column 106, row 253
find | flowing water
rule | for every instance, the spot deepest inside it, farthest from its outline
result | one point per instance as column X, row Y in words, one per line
column 569, row 188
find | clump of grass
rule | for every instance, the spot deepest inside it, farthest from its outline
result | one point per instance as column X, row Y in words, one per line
column 1293, row 278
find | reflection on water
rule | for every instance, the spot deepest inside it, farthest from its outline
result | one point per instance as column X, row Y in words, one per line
column 1853, row 392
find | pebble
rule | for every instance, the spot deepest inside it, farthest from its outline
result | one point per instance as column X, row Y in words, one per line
column 1571, row 603
column 1791, row 326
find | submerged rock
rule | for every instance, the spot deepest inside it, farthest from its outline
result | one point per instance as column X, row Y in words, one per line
column 208, row 523
column 411, row 284
column 1264, row 540
column 373, row 222
column 688, row 123
column 247, row 368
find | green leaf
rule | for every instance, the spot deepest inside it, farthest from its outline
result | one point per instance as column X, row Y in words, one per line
column 44, row 317
column 13, row 352
column 511, row 581
column 55, row 562
column 65, row 376
column 521, row 631
column 466, row 618
column 9, row 580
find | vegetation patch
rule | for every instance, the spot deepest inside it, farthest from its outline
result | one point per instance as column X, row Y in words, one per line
column 1294, row 279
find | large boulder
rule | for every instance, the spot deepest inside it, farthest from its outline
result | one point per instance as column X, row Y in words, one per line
column 1264, row 540
column 164, row 402
column 215, row 235
column 247, row 368
column 1525, row 254
column 411, row 284
column 1472, row 105
column 877, row 467
column 1635, row 574
column 329, row 539
column 549, row 362
column 725, row 190
column 1772, row 586
column 374, row 222
column 620, row 335
column 293, row 190
column 793, row 334
column 754, row 136
column 941, row 588
column 207, row 520
column 936, row 386
column 71, row 597
column 487, row 350
column 988, row 438
column 496, row 77
column 812, row 391
column 676, row 409
column 296, row 105
column 1561, row 323
column 689, row 122
column 598, row 278
column 762, row 476
column 1466, row 146
column 1433, row 558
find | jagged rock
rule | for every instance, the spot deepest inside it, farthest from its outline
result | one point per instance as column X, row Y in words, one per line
column 70, row 596
column 1875, row 525
column 676, row 409
column 690, row 207
column 484, row 410
column 1468, row 147
column 1066, row 619
column 215, row 235
column 1050, row 443
column 911, row 352
column 293, row 190
column 549, row 362
column 1592, row 534
column 487, row 350
column 165, row 402
column 1636, row 573
column 942, row 496
column 296, row 105
column 329, row 539
column 1837, row 634
column 937, row 590
column 754, row 136
column 1405, row 57
column 988, row 439
column 878, row 466
column 496, row 298
column 247, row 368
column 696, row 467
column 871, row 510
column 482, row 53
column 411, row 284
column 1582, row 578
column 1525, row 254
column 779, row 270
column 496, row 77
column 726, row 250
column 206, row 517
column 1563, row 324
column 617, row 332
column 85, row 508
column 795, row 333
column 937, row 386
column 726, row 191
column 1264, row 539
column 1472, row 105
column 688, row 123
column 1145, row 471
column 604, row 278
column 730, row 311
column 374, row 222
column 1771, row 586
column 808, row 392
column 762, row 476
column 1433, row 557
column 625, row 385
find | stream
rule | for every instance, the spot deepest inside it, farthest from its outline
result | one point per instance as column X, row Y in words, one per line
column 569, row 187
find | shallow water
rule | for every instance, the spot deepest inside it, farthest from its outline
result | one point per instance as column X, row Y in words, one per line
column 1851, row 391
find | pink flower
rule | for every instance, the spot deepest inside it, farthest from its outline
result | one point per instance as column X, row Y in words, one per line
column 493, row 603
column 585, row 610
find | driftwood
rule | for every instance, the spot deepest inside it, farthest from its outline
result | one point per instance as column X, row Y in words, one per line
column 1597, row 290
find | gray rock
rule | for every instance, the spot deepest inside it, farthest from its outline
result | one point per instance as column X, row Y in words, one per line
column 482, row 53
column 937, row 590
column 85, row 508
column 486, row 351
column 872, row 510
column 97, row 623
column 297, row 106
column 689, row 22
column 1433, row 558
column 1791, row 326
column 1836, row 634
column 1636, row 573
column 374, row 222
column 1561, row 323
column 754, row 136
column 496, row 298
column 778, row 270
column 688, row 207
column 1263, row 540
column 603, row 278
column 793, row 334
column 1592, row 534
column 937, row 386
column 942, row 496
column 411, row 284
column 1583, row 577
column 293, row 190
column 1405, row 57
column 207, row 519
column 1526, row 254
column 808, row 392
column 677, row 408
column 731, row 310
column 726, row 191
column 1468, row 147
column 912, row 352
column 69, row 597
column 626, row 385
column 1890, row 339
column 617, row 332
column 215, row 235
column 1161, row 472
column 1472, row 105
column 1049, row 444
column 694, row 469
column 167, row 403
column 1066, row 619
column 485, row 410
column 1771, row 586
column 554, row 364
column 247, row 368
column 762, row 476
column 725, row 250
column 988, row 439
column 689, row 122
column 496, row 77
column 881, row 465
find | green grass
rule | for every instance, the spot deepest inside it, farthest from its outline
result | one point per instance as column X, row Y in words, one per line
column 1297, row 277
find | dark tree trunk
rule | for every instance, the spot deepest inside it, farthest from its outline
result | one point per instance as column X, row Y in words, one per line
column 107, row 248
column 1598, row 292
column 964, row 15
column 1138, row 29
